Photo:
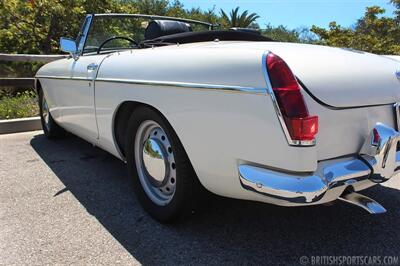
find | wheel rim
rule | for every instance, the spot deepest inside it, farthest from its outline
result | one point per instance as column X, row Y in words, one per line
column 155, row 162
column 45, row 112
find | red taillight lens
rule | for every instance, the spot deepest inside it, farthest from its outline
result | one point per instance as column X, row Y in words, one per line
column 376, row 138
column 302, row 128
column 300, row 124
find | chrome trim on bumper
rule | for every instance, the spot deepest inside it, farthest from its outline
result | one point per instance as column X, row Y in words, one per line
column 379, row 150
column 302, row 188
column 377, row 162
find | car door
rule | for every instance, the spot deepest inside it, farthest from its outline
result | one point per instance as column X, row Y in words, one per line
column 77, row 103
column 75, row 99
column 100, row 37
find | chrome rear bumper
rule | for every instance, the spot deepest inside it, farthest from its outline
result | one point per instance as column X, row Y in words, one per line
column 378, row 161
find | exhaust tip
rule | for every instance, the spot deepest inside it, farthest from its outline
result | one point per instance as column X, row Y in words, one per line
column 364, row 202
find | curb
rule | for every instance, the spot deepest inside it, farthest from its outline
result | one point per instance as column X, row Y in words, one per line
column 20, row 125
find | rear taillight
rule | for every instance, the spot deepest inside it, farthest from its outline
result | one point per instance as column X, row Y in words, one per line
column 301, row 126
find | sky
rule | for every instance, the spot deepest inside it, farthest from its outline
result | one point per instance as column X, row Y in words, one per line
column 297, row 13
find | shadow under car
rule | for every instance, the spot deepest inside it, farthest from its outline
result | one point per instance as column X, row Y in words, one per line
column 227, row 231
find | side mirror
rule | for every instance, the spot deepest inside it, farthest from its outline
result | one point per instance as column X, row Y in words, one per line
column 69, row 46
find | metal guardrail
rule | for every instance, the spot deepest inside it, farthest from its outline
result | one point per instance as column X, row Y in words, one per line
column 24, row 82
column 30, row 57
column 17, row 82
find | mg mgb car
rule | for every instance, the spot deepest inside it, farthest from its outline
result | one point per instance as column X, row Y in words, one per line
column 190, row 107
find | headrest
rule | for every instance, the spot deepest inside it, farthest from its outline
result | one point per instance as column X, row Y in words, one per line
column 158, row 28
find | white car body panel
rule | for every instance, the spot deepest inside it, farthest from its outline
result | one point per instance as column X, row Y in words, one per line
column 395, row 57
column 349, row 77
column 219, row 127
column 212, row 141
column 343, row 132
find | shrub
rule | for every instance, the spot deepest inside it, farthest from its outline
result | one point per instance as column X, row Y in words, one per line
column 23, row 104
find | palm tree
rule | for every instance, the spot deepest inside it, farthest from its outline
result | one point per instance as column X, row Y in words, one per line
column 236, row 20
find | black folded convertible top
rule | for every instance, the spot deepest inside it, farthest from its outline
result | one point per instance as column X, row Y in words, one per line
column 204, row 36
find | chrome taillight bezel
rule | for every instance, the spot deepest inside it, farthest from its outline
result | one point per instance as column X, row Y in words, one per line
column 281, row 119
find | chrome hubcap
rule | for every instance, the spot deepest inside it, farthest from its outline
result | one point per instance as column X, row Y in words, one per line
column 155, row 162
column 45, row 112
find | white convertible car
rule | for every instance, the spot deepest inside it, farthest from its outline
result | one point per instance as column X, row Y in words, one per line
column 189, row 107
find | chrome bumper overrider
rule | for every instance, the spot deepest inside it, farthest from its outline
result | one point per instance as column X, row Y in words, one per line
column 377, row 161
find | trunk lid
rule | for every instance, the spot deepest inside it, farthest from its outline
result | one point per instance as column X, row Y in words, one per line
column 341, row 77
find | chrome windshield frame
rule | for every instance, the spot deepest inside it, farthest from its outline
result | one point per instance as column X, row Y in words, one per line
column 83, row 34
column 154, row 17
column 89, row 19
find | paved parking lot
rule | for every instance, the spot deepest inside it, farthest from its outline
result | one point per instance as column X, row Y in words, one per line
column 67, row 202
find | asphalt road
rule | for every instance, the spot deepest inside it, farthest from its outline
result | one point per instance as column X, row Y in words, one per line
column 67, row 202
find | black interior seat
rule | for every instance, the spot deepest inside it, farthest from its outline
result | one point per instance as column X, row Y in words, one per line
column 158, row 28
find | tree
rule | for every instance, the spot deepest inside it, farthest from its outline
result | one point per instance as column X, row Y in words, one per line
column 36, row 26
column 235, row 19
column 283, row 34
column 151, row 7
column 396, row 3
column 372, row 33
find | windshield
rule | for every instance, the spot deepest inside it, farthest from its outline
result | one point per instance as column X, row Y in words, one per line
column 129, row 30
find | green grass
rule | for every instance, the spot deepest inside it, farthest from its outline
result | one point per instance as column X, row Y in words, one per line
column 23, row 104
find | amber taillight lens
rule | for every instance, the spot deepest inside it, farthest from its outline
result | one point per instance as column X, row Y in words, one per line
column 300, row 124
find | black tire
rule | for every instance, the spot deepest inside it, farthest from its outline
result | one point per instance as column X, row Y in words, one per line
column 51, row 129
column 188, row 189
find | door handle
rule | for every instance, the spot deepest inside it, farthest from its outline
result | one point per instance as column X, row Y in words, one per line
column 92, row 67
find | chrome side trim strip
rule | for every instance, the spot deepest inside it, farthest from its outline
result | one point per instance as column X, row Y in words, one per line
column 277, row 109
column 187, row 85
column 261, row 91
column 62, row 77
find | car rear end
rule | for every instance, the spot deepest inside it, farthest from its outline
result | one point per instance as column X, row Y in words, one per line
column 342, row 103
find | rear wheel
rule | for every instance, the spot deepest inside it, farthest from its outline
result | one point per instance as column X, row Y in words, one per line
column 163, row 178
column 50, row 127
